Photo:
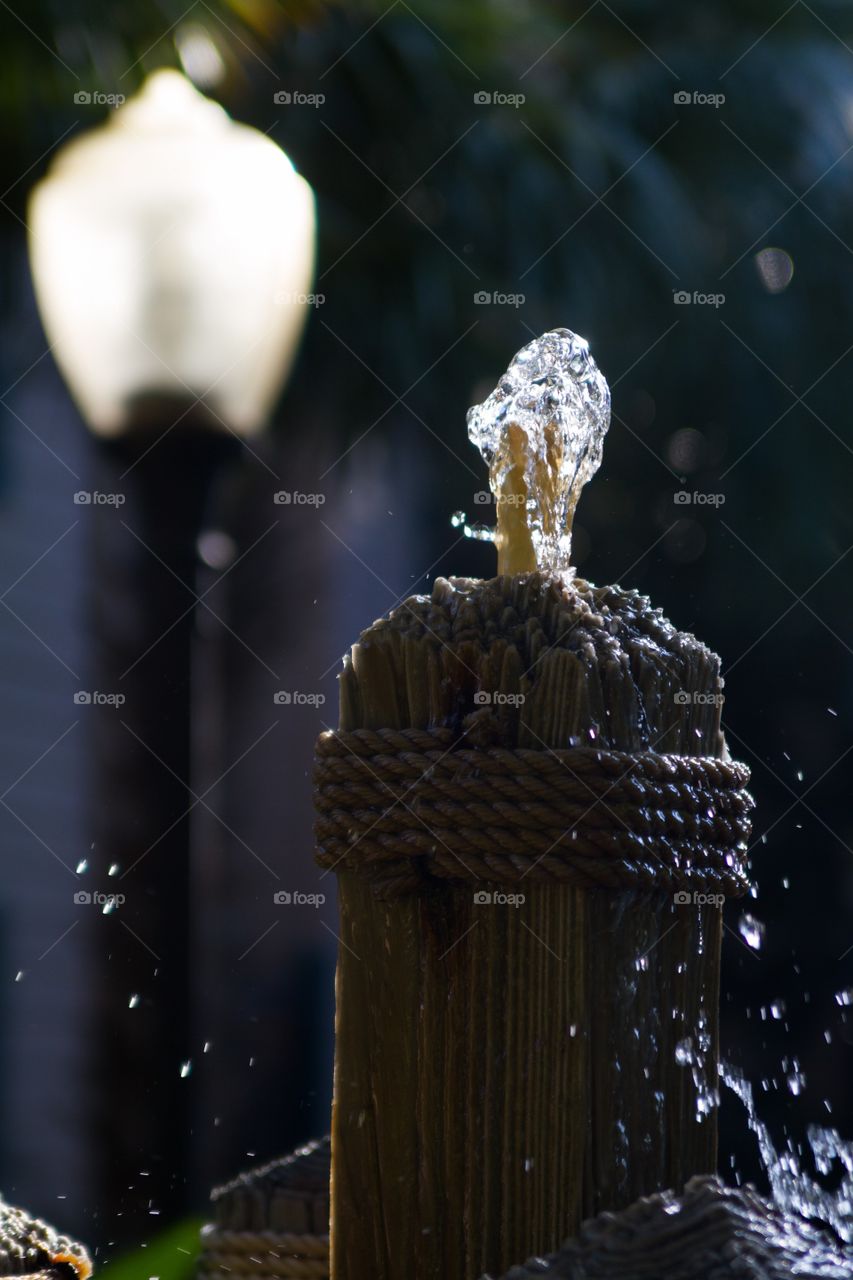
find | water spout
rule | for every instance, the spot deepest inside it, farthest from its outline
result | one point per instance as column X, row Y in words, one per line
column 541, row 431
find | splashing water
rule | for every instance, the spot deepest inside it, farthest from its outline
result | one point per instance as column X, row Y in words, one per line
column 541, row 431
column 693, row 1053
column 751, row 930
column 478, row 531
column 792, row 1188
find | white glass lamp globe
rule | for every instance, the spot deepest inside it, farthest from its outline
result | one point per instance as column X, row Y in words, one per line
column 172, row 252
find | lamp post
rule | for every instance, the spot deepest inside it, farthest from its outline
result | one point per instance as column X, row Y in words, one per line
column 172, row 251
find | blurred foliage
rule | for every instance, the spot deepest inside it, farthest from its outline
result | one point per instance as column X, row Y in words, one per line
column 172, row 1255
column 597, row 199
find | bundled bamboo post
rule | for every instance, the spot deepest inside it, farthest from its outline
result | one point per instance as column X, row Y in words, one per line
column 706, row 1232
column 31, row 1249
column 272, row 1222
column 527, row 771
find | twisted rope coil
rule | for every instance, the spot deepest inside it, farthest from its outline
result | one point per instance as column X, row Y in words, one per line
column 409, row 807
column 263, row 1255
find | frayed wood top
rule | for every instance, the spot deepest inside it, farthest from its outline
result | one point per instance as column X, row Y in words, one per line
column 708, row 1232
column 31, row 1248
column 521, row 607
column 288, row 1194
column 482, row 647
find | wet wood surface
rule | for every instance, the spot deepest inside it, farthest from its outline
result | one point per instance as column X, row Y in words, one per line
column 504, row 1071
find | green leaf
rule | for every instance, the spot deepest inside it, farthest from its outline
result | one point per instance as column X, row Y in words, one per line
column 169, row 1256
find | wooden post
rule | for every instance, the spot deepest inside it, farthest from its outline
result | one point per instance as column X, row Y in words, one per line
column 502, row 1072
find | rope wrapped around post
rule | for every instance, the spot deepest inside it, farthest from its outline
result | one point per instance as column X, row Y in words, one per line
column 264, row 1255
column 408, row 807
column 272, row 1222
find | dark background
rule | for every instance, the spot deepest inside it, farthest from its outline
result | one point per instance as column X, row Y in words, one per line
column 597, row 199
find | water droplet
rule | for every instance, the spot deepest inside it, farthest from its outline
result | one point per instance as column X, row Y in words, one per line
column 479, row 532
column 113, row 869
column 751, row 930
column 133, row 1002
column 844, row 997
column 796, row 1082
column 186, row 1068
column 82, row 866
column 684, row 1052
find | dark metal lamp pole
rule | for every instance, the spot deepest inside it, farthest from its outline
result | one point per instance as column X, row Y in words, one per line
column 172, row 250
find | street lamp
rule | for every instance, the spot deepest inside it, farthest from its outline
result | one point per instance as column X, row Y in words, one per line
column 172, row 253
